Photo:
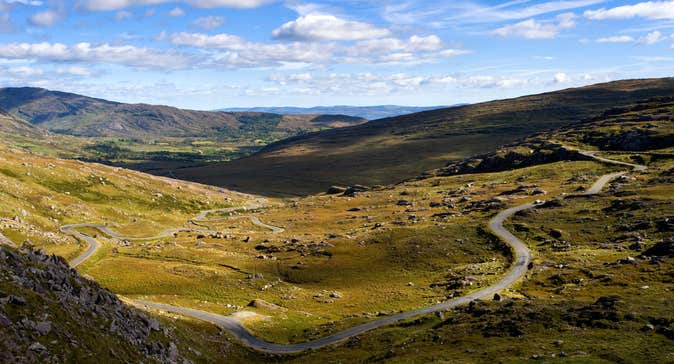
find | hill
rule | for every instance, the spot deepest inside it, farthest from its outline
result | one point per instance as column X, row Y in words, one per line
column 365, row 112
column 41, row 324
column 11, row 125
column 48, row 312
column 73, row 114
column 20, row 133
column 598, row 289
column 389, row 150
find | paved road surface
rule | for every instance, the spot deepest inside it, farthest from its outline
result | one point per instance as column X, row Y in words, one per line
column 519, row 268
column 94, row 244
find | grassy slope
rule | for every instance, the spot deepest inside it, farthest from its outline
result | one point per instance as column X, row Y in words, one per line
column 390, row 150
column 84, row 116
column 365, row 260
column 40, row 194
column 558, row 313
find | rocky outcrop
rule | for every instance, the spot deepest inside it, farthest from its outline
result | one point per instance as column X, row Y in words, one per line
column 50, row 313
column 530, row 153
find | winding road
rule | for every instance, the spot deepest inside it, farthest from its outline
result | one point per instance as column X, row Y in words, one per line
column 94, row 244
column 522, row 258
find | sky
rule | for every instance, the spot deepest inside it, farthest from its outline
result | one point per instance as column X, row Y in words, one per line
column 209, row 54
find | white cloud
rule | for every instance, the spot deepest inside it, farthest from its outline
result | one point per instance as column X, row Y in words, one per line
column 379, row 84
column 236, row 51
column 6, row 24
column 561, row 78
column 616, row 39
column 46, row 18
column 649, row 10
column 104, row 5
column 161, row 36
column 176, row 12
column 455, row 52
column 648, row 39
column 316, row 27
column 413, row 44
column 221, row 41
column 88, row 53
column 443, row 13
column 123, row 15
column 533, row 29
column 75, row 71
column 209, row 22
column 26, row 71
column 652, row 38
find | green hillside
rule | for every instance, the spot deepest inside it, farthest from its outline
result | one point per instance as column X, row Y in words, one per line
column 72, row 114
column 390, row 150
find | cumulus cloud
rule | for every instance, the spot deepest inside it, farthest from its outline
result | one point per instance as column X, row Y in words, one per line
column 104, row 5
column 46, row 18
column 176, row 12
column 649, row 10
column 236, row 51
column 533, row 29
column 89, row 53
column 653, row 37
column 413, row 44
column 317, row 27
column 209, row 22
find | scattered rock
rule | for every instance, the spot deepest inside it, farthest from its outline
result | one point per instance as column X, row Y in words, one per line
column 355, row 190
column 628, row 260
column 334, row 190
column 664, row 248
column 43, row 327
column 258, row 303
column 556, row 233
column 17, row 300
column 37, row 347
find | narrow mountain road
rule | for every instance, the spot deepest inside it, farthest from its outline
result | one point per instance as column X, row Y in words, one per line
column 94, row 245
column 522, row 258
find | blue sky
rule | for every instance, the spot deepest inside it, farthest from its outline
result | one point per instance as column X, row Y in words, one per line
column 207, row 54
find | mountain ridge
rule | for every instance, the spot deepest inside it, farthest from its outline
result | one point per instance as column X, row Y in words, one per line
column 393, row 149
column 78, row 115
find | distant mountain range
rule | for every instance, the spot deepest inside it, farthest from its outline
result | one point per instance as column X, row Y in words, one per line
column 365, row 112
column 72, row 114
